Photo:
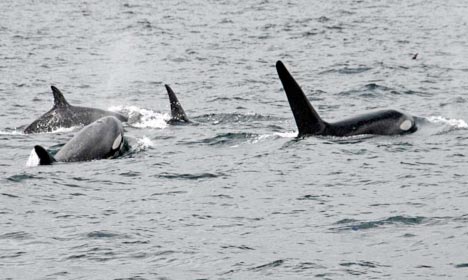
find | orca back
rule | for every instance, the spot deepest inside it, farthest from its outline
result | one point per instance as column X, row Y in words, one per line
column 65, row 115
column 98, row 140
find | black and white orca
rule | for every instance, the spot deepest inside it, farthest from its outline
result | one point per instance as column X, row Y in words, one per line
column 383, row 122
column 64, row 115
column 101, row 139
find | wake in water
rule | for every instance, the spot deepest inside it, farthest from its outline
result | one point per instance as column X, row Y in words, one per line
column 455, row 123
column 442, row 125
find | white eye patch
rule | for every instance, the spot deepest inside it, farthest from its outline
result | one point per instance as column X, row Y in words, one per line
column 117, row 142
column 406, row 125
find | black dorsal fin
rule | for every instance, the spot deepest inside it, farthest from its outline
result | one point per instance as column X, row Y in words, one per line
column 59, row 100
column 307, row 119
column 177, row 112
column 44, row 157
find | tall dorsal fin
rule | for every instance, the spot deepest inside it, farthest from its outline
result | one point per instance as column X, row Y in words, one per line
column 59, row 100
column 44, row 157
column 177, row 112
column 307, row 119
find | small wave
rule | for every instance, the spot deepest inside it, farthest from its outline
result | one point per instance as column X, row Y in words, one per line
column 456, row 123
column 347, row 70
column 19, row 235
column 21, row 177
column 363, row 264
column 185, row 176
column 351, row 224
column 104, row 234
column 268, row 265
column 370, row 90
column 142, row 118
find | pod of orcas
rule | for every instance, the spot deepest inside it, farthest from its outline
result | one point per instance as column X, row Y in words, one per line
column 101, row 138
column 103, row 134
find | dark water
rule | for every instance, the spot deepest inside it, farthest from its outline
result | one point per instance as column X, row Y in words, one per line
column 235, row 195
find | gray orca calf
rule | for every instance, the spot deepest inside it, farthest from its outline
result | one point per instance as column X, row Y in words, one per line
column 65, row 115
column 384, row 122
column 101, row 139
column 177, row 112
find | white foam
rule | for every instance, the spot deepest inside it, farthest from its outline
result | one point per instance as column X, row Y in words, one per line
column 260, row 138
column 33, row 159
column 458, row 123
column 142, row 118
column 291, row 134
column 63, row 129
column 145, row 142
column 14, row 132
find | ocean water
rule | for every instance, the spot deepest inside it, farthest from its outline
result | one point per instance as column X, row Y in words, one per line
column 235, row 195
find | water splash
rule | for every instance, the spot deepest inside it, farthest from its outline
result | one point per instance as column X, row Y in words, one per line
column 142, row 118
column 137, row 145
column 144, row 143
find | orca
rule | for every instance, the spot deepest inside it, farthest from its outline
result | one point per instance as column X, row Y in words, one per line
column 177, row 112
column 101, row 139
column 65, row 115
column 383, row 122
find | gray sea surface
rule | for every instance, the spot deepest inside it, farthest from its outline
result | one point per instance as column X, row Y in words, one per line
column 235, row 195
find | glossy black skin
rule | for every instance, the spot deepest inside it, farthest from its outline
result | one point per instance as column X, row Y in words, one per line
column 64, row 115
column 177, row 112
column 101, row 139
column 383, row 122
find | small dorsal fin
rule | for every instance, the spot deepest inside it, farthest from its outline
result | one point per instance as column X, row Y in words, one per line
column 307, row 119
column 44, row 157
column 177, row 112
column 59, row 100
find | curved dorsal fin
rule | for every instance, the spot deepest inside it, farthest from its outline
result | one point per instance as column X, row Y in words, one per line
column 177, row 112
column 307, row 119
column 59, row 100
